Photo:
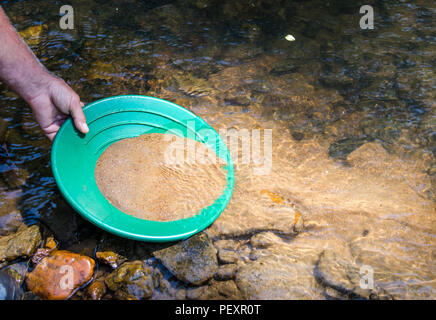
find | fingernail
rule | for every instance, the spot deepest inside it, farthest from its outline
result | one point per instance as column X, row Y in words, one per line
column 85, row 128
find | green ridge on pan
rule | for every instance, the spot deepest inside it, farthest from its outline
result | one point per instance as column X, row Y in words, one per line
column 74, row 157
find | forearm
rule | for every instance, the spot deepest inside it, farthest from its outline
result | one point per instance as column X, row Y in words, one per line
column 50, row 98
column 19, row 68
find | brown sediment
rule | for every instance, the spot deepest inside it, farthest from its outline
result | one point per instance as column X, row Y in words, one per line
column 160, row 177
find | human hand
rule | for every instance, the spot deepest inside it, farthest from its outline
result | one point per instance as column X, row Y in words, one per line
column 50, row 98
column 53, row 102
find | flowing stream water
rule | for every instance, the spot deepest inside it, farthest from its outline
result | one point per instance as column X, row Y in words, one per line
column 340, row 169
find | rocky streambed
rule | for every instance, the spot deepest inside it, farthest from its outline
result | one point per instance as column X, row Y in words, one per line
column 186, row 270
column 299, row 254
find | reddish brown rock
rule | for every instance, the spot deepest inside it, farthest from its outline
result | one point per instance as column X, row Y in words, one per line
column 58, row 275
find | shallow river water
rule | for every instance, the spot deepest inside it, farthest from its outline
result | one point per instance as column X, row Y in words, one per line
column 339, row 181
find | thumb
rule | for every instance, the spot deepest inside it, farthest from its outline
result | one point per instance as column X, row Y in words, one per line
column 79, row 117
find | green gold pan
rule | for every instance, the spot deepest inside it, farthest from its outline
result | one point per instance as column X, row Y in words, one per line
column 74, row 157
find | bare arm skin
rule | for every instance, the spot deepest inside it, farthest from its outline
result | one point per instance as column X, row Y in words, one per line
column 49, row 97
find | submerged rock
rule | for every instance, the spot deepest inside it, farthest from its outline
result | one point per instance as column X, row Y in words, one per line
column 110, row 258
column 341, row 277
column 10, row 222
column 369, row 156
column 227, row 256
column 192, row 260
column 264, row 240
column 342, row 148
column 170, row 289
column 131, row 281
column 17, row 271
column 276, row 277
column 14, row 178
column 264, row 210
column 9, row 289
column 226, row 289
column 21, row 244
column 95, row 290
column 336, row 272
column 196, row 293
column 378, row 264
column 215, row 290
column 57, row 276
column 226, row 272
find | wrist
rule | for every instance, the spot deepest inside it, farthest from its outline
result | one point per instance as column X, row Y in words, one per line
column 37, row 84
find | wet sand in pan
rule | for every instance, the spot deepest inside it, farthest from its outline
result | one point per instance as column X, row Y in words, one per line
column 157, row 177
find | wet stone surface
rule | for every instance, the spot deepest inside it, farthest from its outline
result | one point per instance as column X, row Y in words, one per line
column 21, row 244
column 10, row 220
column 58, row 275
column 17, row 271
column 110, row 258
column 192, row 261
column 96, row 290
column 9, row 289
column 131, row 281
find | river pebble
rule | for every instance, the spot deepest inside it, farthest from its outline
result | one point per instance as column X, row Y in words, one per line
column 96, row 290
column 131, row 281
column 57, row 276
column 21, row 244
